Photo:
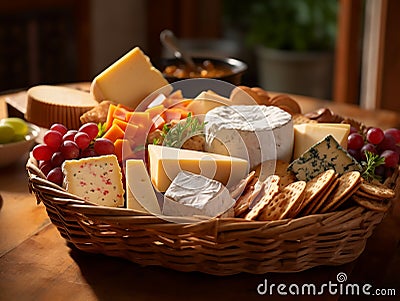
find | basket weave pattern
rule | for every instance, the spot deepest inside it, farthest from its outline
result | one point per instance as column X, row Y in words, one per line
column 218, row 246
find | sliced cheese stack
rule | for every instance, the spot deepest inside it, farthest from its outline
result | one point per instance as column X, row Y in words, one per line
column 167, row 162
column 129, row 80
column 191, row 194
column 97, row 180
column 253, row 132
column 50, row 104
column 308, row 134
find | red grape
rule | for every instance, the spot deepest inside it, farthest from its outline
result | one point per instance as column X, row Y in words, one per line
column 42, row 152
column 45, row 167
column 355, row 141
column 82, row 140
column 367, row 148
column 88, row 152
column 391, row 158
column 388, row 143
column 56, row 176
column 57, row 159
column 62, row 129
column 53, row 139
column 69, row 150
column 380, row 170
column 397, row 149
column 353, row 130
column 355, row 153
column 91, row 129
column 70, row 135
column 375, row 135
column 104, row 146
column 395, row 133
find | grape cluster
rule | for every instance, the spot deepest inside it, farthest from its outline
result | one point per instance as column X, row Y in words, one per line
column 386, row 144
column 60, row 144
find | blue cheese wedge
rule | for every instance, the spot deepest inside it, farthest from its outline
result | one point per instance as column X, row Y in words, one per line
column 324, row 155
column 191, row 194
column 97, row 180
column 251, row 132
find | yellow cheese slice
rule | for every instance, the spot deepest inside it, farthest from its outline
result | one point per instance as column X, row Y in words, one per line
column 308, row 134
column 167, row 162
column 129, row 80
column 140, row 193
column 206, row 101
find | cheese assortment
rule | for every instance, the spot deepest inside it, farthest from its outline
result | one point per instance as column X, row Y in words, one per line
column 209, row 156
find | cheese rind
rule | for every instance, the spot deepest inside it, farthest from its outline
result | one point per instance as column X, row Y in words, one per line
column 190, row 194
column 306, row 135
column 324, row 155
column 253, row 132
column 140, row 193
column 129, row 80
column 167, row 162
column 97, row 180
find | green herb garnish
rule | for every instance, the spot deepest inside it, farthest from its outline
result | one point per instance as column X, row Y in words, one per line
column 102, row 129
column 175, row 136
column 369, row 166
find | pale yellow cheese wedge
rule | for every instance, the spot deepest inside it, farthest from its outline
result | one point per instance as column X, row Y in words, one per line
column 167, row 162
column 129, row 80
column 206, row 101
column 308, row 134
column 140, row 193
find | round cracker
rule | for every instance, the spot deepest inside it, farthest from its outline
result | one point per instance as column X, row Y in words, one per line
column 377, row 190
column 271, row 189
column 347, row 184
column 316, row 186
column 381, row 206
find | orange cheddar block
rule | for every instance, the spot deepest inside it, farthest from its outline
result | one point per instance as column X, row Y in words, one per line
column 110, row 116
column 114, row 133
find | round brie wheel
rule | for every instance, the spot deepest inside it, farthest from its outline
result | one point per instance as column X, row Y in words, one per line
column 56, row 104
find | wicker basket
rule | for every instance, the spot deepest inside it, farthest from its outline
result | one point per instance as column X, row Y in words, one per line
column 218, row 246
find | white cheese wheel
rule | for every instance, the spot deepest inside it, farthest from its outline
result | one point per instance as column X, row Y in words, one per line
column 50, row 104
column 255, row 133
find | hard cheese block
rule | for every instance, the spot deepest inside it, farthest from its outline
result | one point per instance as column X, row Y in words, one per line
column 50, row 104
column 167, row 162
column 97, row 180
column 253, row 132
column 129, row 80
column 326, row 154
column 140, row 193
column 306, row 135
column 191, row 194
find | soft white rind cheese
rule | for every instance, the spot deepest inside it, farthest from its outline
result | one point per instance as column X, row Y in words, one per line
column 252, row 132
column 97, row 180
column 190, row 194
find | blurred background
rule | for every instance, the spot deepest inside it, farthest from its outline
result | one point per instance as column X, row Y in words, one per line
column 340, row 50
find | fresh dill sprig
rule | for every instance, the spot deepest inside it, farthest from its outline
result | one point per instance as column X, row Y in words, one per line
column 369, row 166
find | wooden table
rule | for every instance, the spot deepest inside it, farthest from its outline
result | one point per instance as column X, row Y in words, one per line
column 36, row 263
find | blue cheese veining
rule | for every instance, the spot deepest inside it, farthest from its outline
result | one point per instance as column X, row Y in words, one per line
column 324, row 155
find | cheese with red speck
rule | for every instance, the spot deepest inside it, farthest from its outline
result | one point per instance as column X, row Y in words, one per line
column 97, row 180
